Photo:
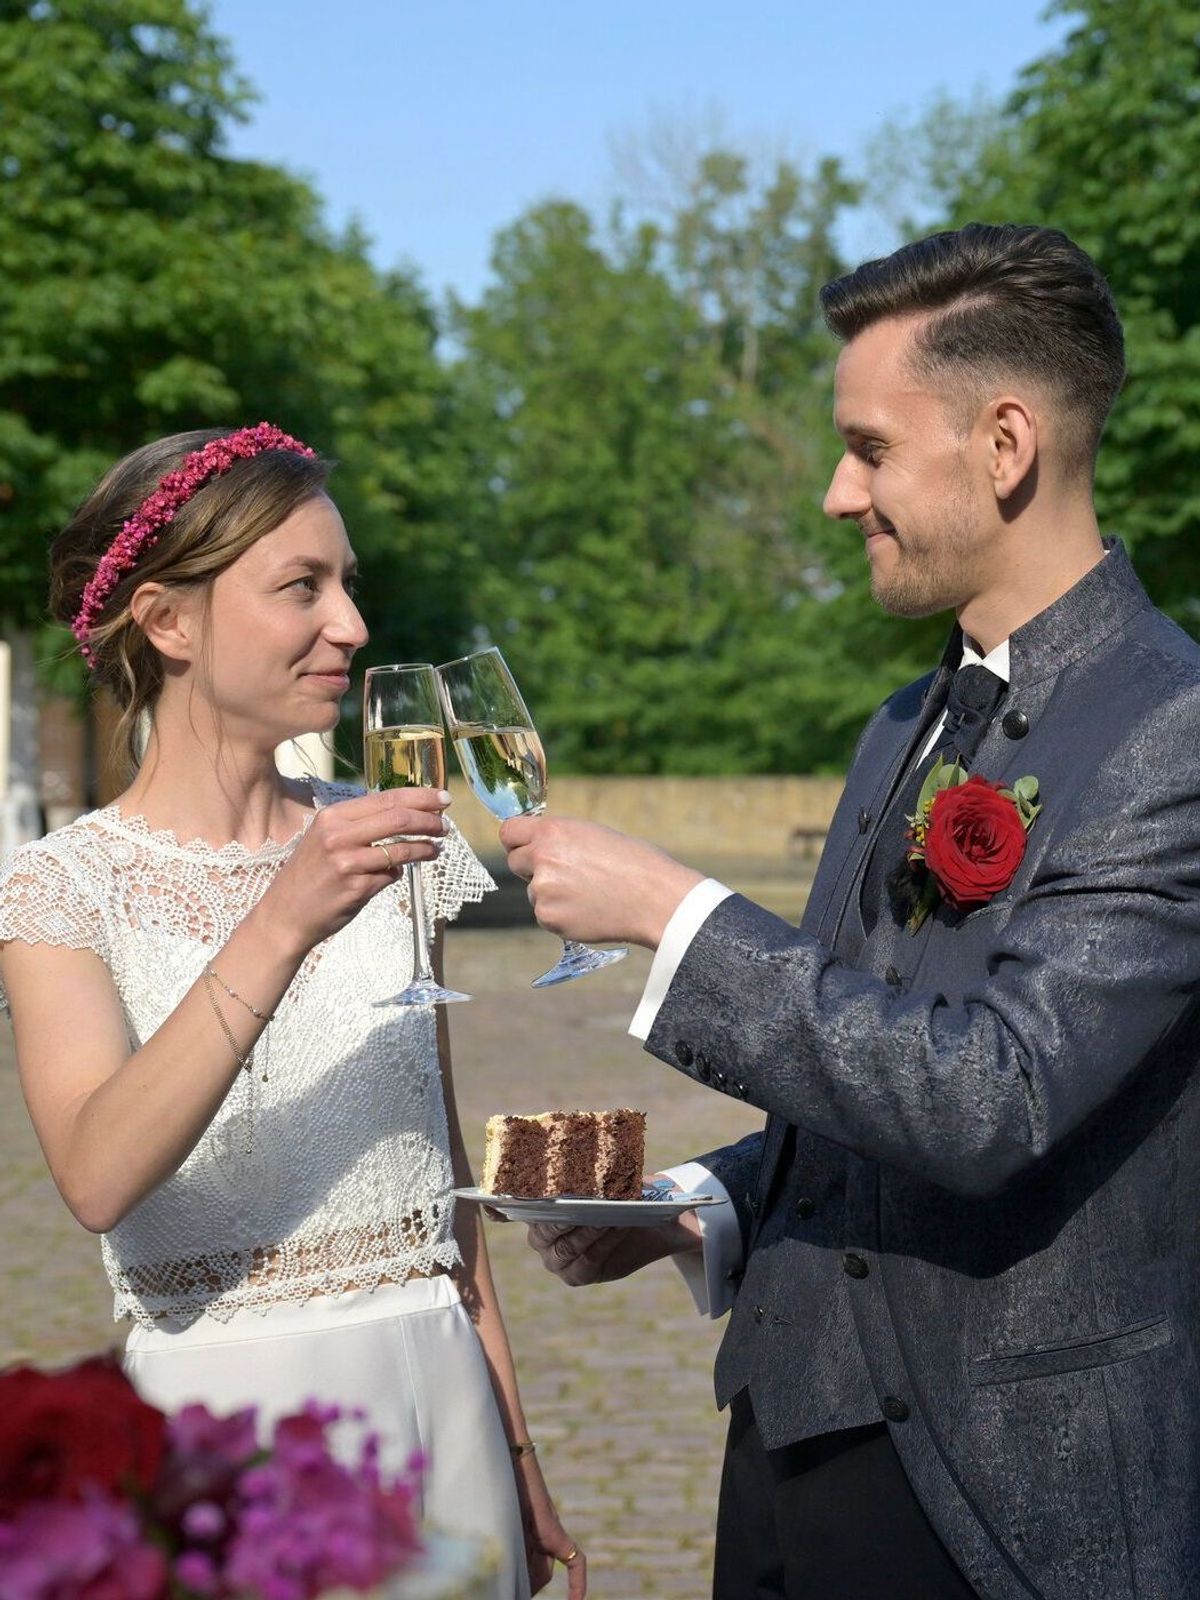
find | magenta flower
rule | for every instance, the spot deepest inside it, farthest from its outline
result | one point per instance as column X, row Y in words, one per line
column 306, row 1523
column 194, row 1431
column 91, row 1550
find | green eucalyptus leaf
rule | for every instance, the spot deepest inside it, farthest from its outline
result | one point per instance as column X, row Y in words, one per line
column 934, row 780
column 927, row 902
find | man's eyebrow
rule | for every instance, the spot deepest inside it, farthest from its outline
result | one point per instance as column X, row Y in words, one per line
column 857, row 430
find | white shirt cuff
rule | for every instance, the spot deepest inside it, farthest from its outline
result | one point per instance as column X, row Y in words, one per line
column 689, row 915
column 710, row 1276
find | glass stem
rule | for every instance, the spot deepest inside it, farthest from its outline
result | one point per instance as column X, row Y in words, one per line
column 422, row 968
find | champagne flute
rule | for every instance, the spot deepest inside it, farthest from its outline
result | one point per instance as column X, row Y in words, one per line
column 404, row 747
column 503, row 761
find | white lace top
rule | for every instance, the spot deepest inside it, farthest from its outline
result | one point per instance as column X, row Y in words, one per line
column 329, row 1163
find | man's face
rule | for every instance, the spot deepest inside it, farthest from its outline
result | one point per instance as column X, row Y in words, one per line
column 910, row 479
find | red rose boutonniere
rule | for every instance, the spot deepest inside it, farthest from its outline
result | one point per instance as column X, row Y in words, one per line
column 966, row 839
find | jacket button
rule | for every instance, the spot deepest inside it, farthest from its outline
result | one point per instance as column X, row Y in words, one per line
column 805, row 1209
column 752, row 1204
column 893, row 977
column 759, row 1313
column 719, row 1080
column 742, row 1091
column 854, row 1267
column 1015, row 724
column 864, row 820
column 683, row 1053
column 702, row 1068
column 894, row 1409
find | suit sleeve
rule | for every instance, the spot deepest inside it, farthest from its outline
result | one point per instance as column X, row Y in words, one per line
column 1094, row 971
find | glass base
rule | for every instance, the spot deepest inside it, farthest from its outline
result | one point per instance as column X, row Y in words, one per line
column 424, row 992
column 576, row 961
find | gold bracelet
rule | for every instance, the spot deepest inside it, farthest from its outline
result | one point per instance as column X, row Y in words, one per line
column 525, row 1448
column 246, row 1062
column 233, row 995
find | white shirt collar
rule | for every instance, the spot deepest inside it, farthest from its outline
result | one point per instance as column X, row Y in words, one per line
column 995, row 661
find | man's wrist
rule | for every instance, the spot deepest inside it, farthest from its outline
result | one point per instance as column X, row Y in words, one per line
column 665, row 895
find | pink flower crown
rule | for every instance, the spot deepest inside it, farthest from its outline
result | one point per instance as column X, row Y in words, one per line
column 140, row 531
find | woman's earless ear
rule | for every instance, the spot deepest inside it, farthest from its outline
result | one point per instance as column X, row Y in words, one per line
column 165, row 616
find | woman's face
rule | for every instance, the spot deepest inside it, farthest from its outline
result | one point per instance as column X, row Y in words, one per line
column 283, row 629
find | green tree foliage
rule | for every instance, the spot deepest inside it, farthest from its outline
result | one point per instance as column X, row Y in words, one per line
column 149, row 283
column 649, row 422
column 1102, row 139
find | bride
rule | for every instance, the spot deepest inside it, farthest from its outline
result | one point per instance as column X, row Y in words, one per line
column 193, row 971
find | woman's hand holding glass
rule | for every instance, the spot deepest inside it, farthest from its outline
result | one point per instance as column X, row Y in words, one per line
column 337, row 867
column 404, row 746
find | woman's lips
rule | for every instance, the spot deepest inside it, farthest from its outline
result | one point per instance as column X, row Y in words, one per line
column 336, row 680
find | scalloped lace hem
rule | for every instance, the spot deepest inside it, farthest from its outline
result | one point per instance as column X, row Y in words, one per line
column 152, row 1311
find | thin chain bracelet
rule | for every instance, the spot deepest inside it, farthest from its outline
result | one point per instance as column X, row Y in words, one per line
column 246, row 1062
column 262, row 1016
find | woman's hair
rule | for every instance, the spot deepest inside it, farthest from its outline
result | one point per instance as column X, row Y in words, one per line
column 1000, row 301
column 224, row 517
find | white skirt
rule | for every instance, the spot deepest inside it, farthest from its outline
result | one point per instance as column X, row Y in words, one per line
column 406, row 1354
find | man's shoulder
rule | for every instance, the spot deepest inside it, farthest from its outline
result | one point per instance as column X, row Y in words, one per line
column 1163, row 647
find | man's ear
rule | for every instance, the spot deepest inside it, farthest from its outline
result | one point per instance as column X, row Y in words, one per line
column 1012, row 445
column 165, row 615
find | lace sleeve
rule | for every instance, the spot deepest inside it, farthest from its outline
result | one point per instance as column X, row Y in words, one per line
column 41, row 902
column 456, row 877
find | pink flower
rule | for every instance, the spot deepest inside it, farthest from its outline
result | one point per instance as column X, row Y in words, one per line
column 92, row 1550
column 305, row 1523
column 194, row 1431
column 205, row 1455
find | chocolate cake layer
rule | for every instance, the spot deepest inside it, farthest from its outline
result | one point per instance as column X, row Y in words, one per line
column 597, row 1154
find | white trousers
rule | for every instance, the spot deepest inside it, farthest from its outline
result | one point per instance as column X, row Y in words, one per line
column 406, row 1354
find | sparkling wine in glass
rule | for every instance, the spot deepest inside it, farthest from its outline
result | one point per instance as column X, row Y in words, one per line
column 404, row 747
column 502, row 759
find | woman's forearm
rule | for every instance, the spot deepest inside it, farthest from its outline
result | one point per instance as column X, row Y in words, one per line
column 138, row 1126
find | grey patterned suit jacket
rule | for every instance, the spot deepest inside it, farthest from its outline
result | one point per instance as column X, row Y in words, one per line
column 975, row 1209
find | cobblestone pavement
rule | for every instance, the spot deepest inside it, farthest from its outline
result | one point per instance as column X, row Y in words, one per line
column 616, row 1379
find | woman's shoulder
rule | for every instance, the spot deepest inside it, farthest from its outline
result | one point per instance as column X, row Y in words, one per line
column 50, row 894
column 48, row 856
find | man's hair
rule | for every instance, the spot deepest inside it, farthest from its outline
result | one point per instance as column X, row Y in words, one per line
column 1001, row 302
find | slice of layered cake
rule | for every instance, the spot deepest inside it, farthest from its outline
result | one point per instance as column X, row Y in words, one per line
column 583, row 1153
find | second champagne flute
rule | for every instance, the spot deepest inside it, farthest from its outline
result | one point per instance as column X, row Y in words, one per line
column 404, row 747
column 503, row 761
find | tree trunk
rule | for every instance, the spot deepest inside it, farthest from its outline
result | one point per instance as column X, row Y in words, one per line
column 20, row 812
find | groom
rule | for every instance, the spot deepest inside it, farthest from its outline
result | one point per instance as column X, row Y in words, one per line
column 964, row 1254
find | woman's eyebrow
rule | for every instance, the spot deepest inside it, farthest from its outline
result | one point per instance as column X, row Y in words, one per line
column 319, row 564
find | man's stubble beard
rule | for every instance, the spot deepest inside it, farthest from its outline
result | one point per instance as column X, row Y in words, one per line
column 936, row 568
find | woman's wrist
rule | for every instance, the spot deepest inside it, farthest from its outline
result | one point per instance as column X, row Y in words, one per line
column 278, row 935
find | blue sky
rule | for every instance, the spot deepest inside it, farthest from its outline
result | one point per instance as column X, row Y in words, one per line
column 436, row 123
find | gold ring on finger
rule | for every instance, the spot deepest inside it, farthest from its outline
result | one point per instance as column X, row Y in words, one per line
column 382, row 844
column 572, row 1555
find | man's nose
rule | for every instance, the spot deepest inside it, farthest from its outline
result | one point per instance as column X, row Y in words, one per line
column 847, row 494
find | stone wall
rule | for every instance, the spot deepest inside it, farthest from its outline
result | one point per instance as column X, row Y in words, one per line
column 767, row 822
